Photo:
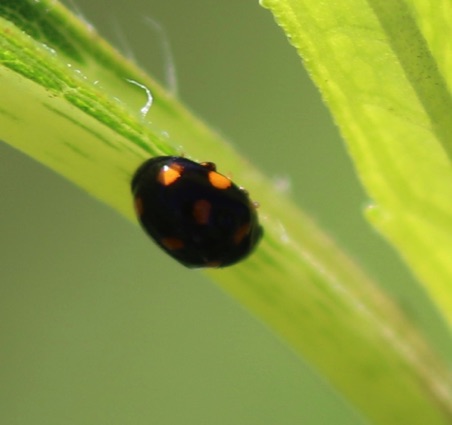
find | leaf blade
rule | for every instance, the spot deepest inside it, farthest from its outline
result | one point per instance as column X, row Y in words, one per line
column 389, row 94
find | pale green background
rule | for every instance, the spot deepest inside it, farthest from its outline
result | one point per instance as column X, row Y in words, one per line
column 99, row 327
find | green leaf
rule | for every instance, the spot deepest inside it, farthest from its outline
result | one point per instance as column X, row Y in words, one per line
column 68, row 102
column 385, row 70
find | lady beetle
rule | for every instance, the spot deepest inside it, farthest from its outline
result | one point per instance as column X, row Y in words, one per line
column 195, row 214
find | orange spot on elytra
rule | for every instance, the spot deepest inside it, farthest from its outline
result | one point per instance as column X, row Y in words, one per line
column 169, row 174
column 139, row 209
column 213, row 264
column 240, row 233
column 172, row 244
column 201, row 211
column 219, row 181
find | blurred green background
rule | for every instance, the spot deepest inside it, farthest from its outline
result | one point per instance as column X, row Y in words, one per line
column 97, row 326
